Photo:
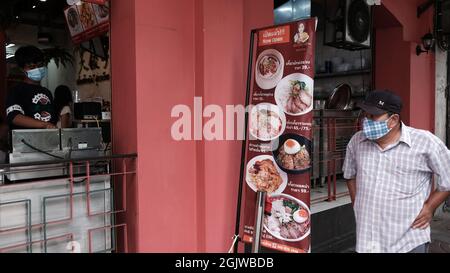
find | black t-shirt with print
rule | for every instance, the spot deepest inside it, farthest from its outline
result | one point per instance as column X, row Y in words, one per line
column 33, row 101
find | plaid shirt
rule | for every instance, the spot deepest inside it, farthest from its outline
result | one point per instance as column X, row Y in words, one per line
column 392, row 186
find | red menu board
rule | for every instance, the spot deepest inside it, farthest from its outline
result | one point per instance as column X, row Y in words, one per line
column 86, row 21
column 279, row 146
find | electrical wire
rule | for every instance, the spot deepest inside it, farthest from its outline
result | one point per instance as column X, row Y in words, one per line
column 98, row 124
column 70, row 149
column 39, row 150
column 362, row 75
column 106, row 148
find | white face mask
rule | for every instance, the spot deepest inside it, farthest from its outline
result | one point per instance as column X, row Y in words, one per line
column 37, row 74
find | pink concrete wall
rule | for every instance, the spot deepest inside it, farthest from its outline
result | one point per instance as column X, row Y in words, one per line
column 392, row 67
column 227, row 27
column 199, row 26
column 167, row 53
column 224, row 85
column 397, row 66
column 167, row 169
column 422, row 100
column 124, row 115
column 406, row 13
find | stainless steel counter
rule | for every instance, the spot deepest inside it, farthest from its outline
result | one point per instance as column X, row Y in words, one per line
column 40, row 145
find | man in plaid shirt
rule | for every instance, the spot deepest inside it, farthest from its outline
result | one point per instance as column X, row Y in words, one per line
column 389, row 168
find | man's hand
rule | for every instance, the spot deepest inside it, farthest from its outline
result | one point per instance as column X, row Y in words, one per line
column 31, row 123
column 351, row 184
column 424, row 219
column 48, row 125
column 434, row 201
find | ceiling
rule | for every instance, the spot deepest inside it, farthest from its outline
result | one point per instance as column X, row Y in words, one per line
column 47, row 13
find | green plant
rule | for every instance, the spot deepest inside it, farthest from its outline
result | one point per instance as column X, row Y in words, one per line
column 58, row 55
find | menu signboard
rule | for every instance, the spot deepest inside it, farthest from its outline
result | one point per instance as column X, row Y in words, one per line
column 279, row 146
column 86, row 21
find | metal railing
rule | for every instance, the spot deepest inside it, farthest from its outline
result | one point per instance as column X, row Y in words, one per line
column 333, row 135
column 106, row 177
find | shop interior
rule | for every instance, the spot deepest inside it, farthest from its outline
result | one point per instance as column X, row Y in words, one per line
column 74, row 58
column 71, row 160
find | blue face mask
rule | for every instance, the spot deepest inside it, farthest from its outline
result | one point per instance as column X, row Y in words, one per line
column 375, row 129
column 37, row 74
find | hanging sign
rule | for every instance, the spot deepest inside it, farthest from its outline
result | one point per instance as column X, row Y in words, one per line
column 86, row 21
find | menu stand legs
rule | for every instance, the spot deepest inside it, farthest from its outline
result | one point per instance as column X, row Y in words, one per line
column 259, row 217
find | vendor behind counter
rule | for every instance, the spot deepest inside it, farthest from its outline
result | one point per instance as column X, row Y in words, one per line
column 29, row 105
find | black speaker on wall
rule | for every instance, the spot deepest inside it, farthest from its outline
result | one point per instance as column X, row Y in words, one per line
column 348, row 24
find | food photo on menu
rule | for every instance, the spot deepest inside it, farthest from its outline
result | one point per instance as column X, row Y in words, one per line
column 87, row 15
column 294, row 94
column 73, row 21
column 287, row 218
column 263, row 174
column 293, row 153
column 269, row 69
column 101, row 12
column 267, row 121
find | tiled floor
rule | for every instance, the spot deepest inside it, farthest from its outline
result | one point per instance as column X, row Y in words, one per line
column 440, row 234
column 322, row 194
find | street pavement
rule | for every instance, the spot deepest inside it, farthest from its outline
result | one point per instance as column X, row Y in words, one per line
column 440, row 232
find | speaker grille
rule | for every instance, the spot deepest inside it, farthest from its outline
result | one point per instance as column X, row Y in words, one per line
column 359, row 21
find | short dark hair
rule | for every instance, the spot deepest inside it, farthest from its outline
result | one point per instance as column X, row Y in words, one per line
column 28, row 55
column 390, row 114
